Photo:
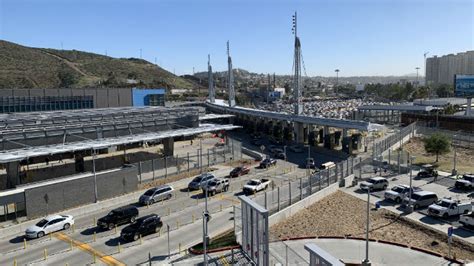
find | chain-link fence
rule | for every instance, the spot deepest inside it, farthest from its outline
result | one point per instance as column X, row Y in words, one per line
column 199, row 159
column 401, row 137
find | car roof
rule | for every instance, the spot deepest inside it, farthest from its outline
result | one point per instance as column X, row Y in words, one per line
column 148, row 216
column 403, row 186
column 52, row 217
column 378, row 178
column 163, row 186
column 125, row 208
column 423, row 192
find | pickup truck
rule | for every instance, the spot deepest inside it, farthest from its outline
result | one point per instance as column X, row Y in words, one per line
column 466, row 182
column 448, row 207
column 467, row 220
column 398, row 192
column 255, row 185
column 267, row 163
column 216, row 185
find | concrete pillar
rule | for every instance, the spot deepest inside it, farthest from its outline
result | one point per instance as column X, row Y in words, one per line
column 299, row 132
column 468, row 107
column 346, row 142
column 337, row 138
column 168, row 147
column 321, row 135
column 328, row 140
column 79, row 162
column 13, row 174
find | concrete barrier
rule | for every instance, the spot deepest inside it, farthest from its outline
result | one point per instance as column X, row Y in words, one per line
column 256, row 155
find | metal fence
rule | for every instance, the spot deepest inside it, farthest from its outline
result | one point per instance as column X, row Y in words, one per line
column 459, row 139
column 199, row 159
column 385, row 144
column 284, row 193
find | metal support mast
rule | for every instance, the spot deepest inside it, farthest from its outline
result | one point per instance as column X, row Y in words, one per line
column 230, row 78
column 297, row 75
column 210, row 79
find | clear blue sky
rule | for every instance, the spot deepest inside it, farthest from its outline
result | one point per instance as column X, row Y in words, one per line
column 360, row 37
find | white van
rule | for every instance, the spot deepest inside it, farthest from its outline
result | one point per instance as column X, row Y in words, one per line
column 327, row 165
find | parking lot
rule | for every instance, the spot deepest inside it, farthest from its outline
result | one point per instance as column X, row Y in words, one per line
column 443, row 187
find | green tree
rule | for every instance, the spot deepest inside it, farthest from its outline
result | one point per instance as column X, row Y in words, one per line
column 445, row 91
column 66, row 79
column 437, row 144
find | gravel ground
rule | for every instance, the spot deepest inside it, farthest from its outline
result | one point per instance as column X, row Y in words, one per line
column 341, row 214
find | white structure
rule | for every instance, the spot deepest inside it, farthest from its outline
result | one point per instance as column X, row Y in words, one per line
column 230, row 78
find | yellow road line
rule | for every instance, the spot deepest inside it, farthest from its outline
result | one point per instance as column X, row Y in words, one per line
column 224, row 260
column 109, row 260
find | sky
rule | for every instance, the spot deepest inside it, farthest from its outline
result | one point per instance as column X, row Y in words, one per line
column 359, row 37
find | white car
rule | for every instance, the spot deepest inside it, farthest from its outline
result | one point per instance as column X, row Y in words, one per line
column 48, row 225
column 398, row 193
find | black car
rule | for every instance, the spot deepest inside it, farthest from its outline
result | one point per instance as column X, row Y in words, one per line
column 118, row 216
column 267, row 163
column 467, row 182
column 427, row 173
column 145, row 225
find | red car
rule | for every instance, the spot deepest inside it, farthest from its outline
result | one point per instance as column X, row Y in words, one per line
column 238, row 171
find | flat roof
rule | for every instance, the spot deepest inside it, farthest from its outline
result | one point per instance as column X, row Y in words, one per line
column 96, row 144
column 214, row 116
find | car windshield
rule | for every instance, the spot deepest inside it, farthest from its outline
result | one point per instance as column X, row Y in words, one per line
column 198, row 179
column 238, row 169
column 398, row 189
column 149, row 192
column 112, row 213
column 252, row 183
column 415, row 196
column 212, row 183
column 371, row 181
column 443, row 203
column 42, row 223
column 137, row 223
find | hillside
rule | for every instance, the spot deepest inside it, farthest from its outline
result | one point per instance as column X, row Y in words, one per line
column 26, row 67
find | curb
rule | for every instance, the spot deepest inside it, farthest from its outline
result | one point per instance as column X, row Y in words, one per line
column 453, row 260
column 427, row 251
column 198, row 252
column 393, row 243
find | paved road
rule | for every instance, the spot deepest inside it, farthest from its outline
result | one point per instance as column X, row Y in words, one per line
column 179, row 213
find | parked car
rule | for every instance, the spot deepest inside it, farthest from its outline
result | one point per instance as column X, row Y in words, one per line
column 280, row 155
column 327, row 165
column 296, row 149
column 267, row 163
column 255, row 185
column 216, row 185
column 122, row 215
column 197, row 182
column 50, row 224
column 156, row 194
column 467, row 182
column 145, row 225
column 374, row 183
column 467, row 220
column 448, row 207
column 238, row 171
column 398, row 192
column 420, row 199
column 428, row 171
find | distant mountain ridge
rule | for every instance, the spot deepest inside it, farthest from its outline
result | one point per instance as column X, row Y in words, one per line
column 27, row 67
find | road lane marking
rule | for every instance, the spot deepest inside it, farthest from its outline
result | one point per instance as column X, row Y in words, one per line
column 107, row 259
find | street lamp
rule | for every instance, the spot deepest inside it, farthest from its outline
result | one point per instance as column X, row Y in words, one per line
column 366, row 261
column 410, row 208
column 454, row 172
column 337, row 77
column 205, row 219
column 284, row 151
column 417, row 68
column 95, row 177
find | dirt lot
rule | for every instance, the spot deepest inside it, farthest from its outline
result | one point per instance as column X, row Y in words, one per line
column 341, row 214
column 464, row 157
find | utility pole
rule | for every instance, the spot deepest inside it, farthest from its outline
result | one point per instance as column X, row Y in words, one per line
column 230, row 78
column 337, row 79
column 366, row 260
column 210, row 79
column 417, row 68
column 297, row 95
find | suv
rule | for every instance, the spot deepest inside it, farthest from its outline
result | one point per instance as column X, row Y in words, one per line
column 199, row 180
column 216, row 185
column 145, row 225
column 118, row 216
column 467, row 182
column 421, row 199
column 156, row 194
column 267, row 163
column 398, row 192
column 428, row 171
column 374, row 183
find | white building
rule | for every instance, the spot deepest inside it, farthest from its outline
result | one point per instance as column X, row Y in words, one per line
column 441, row 70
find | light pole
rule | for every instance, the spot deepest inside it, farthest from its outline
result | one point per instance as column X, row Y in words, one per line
column 454, row 172
column 417, row 68
column 366, row 261
column 205, row 217
column 337, row 77
column 284, row 151
column 95, row 176
column 410, row 208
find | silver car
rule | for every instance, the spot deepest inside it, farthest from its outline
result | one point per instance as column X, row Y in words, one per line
column 48, row 225
column 200, row 180
column 156, row 194
column 374, row 183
